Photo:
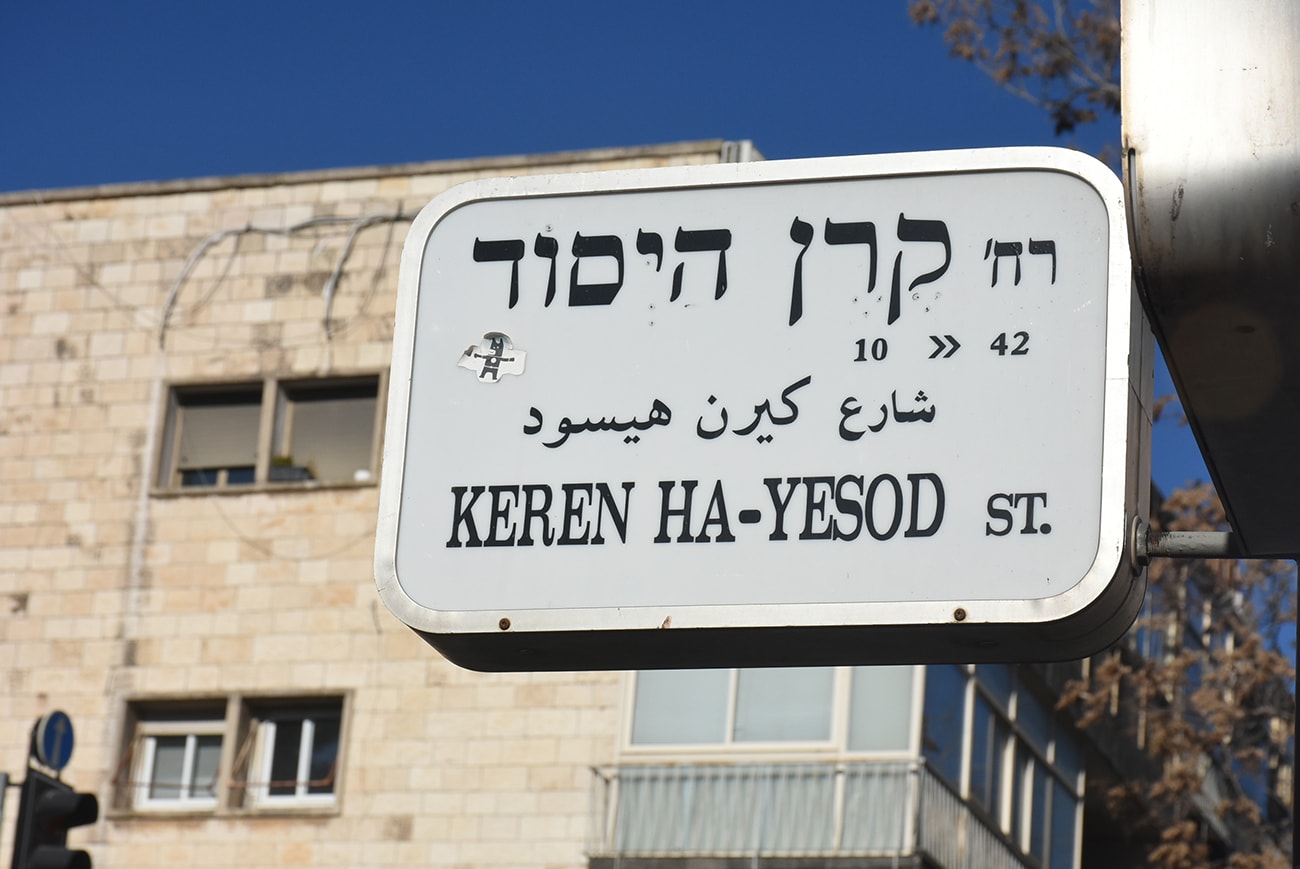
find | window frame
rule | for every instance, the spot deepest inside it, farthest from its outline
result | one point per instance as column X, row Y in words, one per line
column 258, row 789
column 1022, row 761
column 272, row 434
column 175, row 418
column 148, row 732
column 729, row 748
column 244, row 722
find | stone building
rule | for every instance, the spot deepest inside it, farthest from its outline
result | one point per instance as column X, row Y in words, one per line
column 193, row 380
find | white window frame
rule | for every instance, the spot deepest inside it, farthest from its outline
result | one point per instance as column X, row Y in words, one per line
column 260, row 790
column 148, row 733
column 836, row 745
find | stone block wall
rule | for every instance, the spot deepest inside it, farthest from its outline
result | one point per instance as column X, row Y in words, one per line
column 116, row 592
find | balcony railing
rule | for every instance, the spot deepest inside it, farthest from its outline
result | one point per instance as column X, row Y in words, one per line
column 858, row 809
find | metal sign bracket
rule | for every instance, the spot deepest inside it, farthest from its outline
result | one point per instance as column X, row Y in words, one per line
column 1148, row 544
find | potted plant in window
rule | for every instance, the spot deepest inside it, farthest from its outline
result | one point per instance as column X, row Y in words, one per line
column 283, row 470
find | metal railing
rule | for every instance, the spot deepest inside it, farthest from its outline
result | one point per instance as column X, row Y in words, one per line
column 954, row 836
column 858, row 809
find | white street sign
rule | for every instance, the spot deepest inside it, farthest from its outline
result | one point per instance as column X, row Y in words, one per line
column 843, row 410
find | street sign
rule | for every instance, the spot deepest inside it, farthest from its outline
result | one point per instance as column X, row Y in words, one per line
column 52, row 740
column 848, row 410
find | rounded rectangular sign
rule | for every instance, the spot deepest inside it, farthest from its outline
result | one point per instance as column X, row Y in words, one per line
column 649, row 418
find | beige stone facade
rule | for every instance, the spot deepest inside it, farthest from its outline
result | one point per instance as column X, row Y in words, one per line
column 132, row 601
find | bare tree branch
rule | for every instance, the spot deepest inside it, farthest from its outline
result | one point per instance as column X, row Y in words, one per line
column 1205, row 679
column 1066, row 63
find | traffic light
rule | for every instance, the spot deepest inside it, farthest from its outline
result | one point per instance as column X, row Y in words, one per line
column 47, row 809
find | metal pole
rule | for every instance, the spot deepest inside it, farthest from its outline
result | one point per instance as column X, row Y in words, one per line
column 1192, row 544
column 1148, row 544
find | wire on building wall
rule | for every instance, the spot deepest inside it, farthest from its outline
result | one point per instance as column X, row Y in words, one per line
column 328, row 292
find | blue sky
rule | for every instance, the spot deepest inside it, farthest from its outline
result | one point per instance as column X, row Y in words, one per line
column 131, row 90
column 98, row 92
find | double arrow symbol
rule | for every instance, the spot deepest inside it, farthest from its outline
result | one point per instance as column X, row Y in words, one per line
column 941, row 345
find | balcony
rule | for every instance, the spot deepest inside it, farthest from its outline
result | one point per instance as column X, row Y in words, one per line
column 858, row 814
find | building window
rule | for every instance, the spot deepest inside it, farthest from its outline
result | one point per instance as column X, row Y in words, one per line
column 325, row 430
column 1020, row 766
column 745, row 708
column 880, row 709
column 213, row 436
column 175, row 757
column 944, row 720
column 265, row 754
column 322, row 431
column 297, row 750
column 990, row 739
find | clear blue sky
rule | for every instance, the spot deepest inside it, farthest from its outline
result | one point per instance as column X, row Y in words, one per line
column 134, row 90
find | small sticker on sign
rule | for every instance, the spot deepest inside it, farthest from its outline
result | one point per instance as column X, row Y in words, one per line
column 492, row 358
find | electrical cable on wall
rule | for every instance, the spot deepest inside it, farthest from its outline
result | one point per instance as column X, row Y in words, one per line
column 358, row 224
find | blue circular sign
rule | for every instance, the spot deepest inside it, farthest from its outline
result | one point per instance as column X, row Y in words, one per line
column 54, row 739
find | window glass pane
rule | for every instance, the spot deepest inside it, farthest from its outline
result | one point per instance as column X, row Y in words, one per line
column 1019, row 790
column 784, row 705
column 218, row 430
column 168, row 767
column 240, row 476
column 324, row 749
column 880, row 710
column 330, row 431
column 284, row 757
column 996, row 679
column 680, row 707
column 1032, row 716
column 207, row 758
column 941, row 719
column 1038, row 814
column 1147, row 635
column 201, row 477
column 1253, row 782
column 988, row 736
column 180, row 741
column 1063, row 817
column 1068, row 760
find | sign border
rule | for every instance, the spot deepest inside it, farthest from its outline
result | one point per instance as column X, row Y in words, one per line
column 1085, row 617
